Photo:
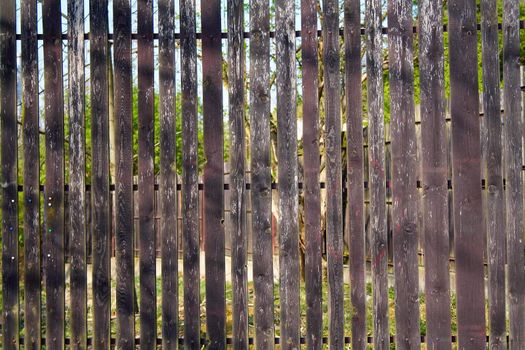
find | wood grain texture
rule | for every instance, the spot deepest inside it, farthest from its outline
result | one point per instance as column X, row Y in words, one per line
column 168, row 175
column 190, row 198
column 376, row 160
column 30, row 126
column 77, row 176
column 513, row 171
column 434, row 172
column 312, row 195
column 355, row 171
column 404, row 174
column 494, row 208
column 100, row 172
column 9, row 171
column 124, row 176
column 466, row 177
column 287, row 174
column 54, row 184
column 334, row 204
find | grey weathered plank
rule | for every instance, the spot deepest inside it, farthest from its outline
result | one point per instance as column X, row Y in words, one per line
column 100, row 172
column 312, row 204
column 514, row 176
column 146, row 177
column 168, row 175
column 237, row 173
column 334, row 204
column 404, row 172
column 9, row 152
column 190, row 198
column 287, row 173
column 434, row 172
column 124, row 176
column 376, row 160
column 54, row 186
column 495, row 219
column 466, row 174
column 77, row 175
column 30, row 118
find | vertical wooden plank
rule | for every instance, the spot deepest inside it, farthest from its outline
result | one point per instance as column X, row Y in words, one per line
column 513, row 171
column 434, row 158
column 404, row 172
column 190, row 193
column 100, row 172
column 334, row 204
column 237, row 173
column 9, row 163
column 124, row 176
column 495, row 220
column 355, row 172
column 466, row 177
column 287, row 173
column 312, row 204
column 213, row 178
column 77, row 175
column 168, row 176
column 376, row 159
column 30, row 120
column 147, row 306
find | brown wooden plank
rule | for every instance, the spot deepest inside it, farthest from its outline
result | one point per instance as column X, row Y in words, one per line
column 9, row 171
column 100, row 172
column 77, row 176
column 495, row 219
column 355, row 171
column 168, row 175
column 124, row 176
column 376, row 160
column 514, row 177
column 434, row 172
column 213, row 179
column 190, row 195
column 30, row 122
column 146, row 176
column 239, row 270
column 466, row 174
column 54, row 186
column 312, row 204
column 334, row 204
column 404, row 174
column 287, row 173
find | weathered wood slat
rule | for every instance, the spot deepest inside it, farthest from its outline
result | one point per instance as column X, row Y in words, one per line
column 77, row 176
column 238, row 233
column 287, row 173
column 9, row 152
column 434, row 172
column 514, row 176
column 146, row 177
column 54, row 186
column 355, row 171
column 376, row 159
column 466, row 173
column 334, row 204
column 495, row 220
column 404, row 172
column 168, row 175
column 190, row 193
column 30, row 122
column 100, row 172
column 124, row 176
column 312, row 196
column 213, row 175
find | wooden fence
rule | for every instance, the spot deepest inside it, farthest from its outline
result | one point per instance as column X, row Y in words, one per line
column 426, row 178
